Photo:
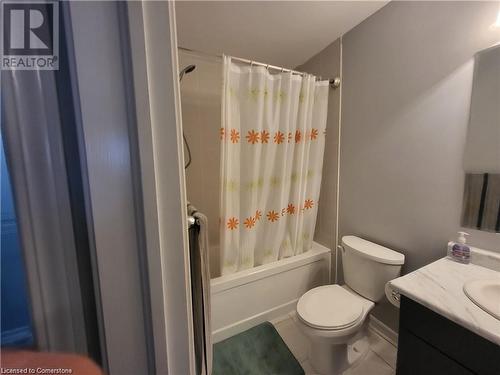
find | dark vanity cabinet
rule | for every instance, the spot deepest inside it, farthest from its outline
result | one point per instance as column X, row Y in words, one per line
column 430, row 344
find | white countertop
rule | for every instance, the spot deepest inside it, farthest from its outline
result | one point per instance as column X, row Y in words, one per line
column 439, row 287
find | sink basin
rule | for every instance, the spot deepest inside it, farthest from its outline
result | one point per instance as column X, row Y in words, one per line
column 485, row 294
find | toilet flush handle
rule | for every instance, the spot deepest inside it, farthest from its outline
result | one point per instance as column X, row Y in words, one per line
column 395, row 294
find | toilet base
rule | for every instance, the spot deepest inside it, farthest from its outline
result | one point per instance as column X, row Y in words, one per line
column 329, row 359
column 334, row 359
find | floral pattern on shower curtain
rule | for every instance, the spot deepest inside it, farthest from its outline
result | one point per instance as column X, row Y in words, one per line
column 273, row 139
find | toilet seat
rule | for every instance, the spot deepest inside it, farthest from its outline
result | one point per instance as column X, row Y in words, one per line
column 329, row 307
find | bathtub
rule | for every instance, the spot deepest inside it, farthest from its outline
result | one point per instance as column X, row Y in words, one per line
column 247, row 298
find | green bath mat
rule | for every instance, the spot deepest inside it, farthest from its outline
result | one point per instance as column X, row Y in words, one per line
column 257, row 351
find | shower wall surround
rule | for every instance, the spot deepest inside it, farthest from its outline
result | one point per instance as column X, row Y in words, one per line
column 201, row 110
column 201, row 118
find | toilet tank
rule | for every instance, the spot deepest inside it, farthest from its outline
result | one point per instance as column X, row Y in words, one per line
column 368, row 266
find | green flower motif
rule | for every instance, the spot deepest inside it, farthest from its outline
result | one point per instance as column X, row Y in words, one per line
column 301, row 97
column 252, row 185
column 254, row 93
column 247, row 261
column 294, row 177
column 275, row 181
column 232, row 186
column 310, row 173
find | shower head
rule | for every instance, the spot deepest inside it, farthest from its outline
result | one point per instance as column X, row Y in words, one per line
column 186, row 70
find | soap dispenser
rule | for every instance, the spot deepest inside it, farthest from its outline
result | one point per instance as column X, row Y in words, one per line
column 459, row 251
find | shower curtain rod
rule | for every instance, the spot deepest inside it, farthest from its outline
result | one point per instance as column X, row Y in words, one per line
column 251, row 62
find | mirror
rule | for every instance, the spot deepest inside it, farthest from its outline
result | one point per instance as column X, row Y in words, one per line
column 481, row 204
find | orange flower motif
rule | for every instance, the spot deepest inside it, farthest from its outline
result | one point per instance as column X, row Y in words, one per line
column 314, row 134
column 289, row 137
column 232, row 223
column 298, row 136
column 222, row 133
column 235, row 136
column 272, row 216
column 249, row 222
column 308, row 204
column 279, row 137
column 258, row 215
column 290, row 209
column 264, row 136
column 253, row 137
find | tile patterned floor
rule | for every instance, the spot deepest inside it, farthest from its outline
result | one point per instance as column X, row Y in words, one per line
column 381, row 359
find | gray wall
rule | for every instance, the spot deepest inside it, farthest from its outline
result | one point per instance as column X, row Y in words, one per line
column 327, row 65
column 407, row 74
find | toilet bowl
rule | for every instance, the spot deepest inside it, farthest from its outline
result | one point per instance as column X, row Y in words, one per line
column 334, row 316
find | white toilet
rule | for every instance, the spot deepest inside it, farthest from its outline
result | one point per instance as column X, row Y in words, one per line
column 333, row 316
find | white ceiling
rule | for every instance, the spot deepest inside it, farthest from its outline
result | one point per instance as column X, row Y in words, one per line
column 283, row 33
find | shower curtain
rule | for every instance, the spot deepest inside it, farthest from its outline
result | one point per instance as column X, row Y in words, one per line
column 273, row 138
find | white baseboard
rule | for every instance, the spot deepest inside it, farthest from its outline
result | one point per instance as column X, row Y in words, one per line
column 242, row 325
column 383, row 330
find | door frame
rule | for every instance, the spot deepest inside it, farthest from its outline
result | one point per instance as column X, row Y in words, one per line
column 153, row 42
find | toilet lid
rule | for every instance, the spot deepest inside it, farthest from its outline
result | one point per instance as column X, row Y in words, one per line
column 329, row 307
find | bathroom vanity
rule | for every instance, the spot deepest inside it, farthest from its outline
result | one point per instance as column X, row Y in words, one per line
column 432, row 344
column 441, row 330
